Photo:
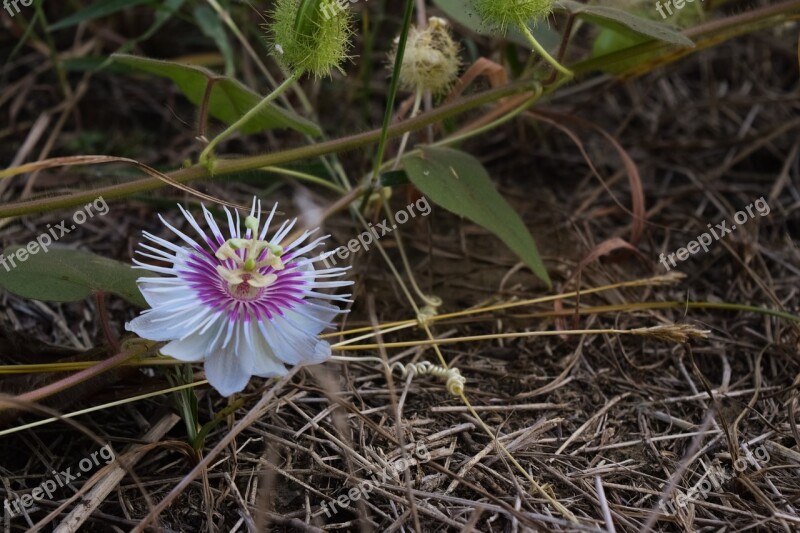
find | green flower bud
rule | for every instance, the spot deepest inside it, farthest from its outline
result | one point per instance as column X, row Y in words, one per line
column 430, row 61
column 502, row 13
column 305, row 39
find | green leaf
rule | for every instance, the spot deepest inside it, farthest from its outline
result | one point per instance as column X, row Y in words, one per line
column 229, row 101
column 97, row 10
column 458, row 182
column 394, row 178
column 212, row 27
column 462, row 12
column 625, row 22
column 609, row 41
column 66, row 275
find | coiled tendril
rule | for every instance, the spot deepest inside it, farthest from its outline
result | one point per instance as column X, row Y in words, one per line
column 455, row 381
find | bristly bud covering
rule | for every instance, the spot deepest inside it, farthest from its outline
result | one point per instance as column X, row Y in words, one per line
column 503, row 13
column 430, row 61
column 245, row 304
column 308, row 40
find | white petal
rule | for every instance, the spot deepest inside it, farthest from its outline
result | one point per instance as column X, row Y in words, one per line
column 195, row 321
column 225, row 373
column 194, row 224
column 156, row 297
column 284, row 230
column 152, row 268
column 158, row 240
column 165, row 282
column 159, row 324
column 162, row 255
column 231, row 228
column 145, row 327
column 308, row 247
column 264, row 362
column 331, row 284
column 293, row 346
column 265, row 229
column 212, row 224
column 306, row 234
column 174, row 312
column 191, row 349
column 185, row 238
column 312, row 319
column 335, row 297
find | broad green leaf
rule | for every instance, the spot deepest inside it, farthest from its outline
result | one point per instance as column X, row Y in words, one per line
column 394, row 178
column 458, row 182
column 625, row 22
column 229, row 101
column 212, row 27
column 97, row 10
column 609, row 41
column 65, row 275
column 462, row 12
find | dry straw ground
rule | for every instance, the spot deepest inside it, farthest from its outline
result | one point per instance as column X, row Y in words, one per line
column 607, row 424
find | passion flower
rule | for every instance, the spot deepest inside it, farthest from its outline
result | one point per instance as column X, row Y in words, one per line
column 244, row 304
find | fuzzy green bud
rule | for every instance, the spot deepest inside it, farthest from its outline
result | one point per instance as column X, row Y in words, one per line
column 503, row 13
column 430, row 61
column 306, row 40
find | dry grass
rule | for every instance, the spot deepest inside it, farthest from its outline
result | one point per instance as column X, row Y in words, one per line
column 608, row 424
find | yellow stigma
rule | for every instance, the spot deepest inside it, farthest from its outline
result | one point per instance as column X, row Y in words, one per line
column 251, row 223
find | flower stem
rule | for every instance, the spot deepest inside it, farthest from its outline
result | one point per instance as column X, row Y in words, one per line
column 102, row 312
column 207, row 153
column 540, row 49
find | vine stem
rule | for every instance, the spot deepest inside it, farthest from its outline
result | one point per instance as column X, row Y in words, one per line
column 393, row 87
column 390, row 327
column 427, row 300
column 96, row 408
column 206, row 154
column 494, row 336
column 645, row 282
column 406, row 135
column 540, row 49
column 231, row 166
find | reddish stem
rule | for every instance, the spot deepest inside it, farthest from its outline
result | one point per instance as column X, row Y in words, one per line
column 102, row 311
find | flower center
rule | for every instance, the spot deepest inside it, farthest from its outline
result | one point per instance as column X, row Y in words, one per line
column 244, row 291
column 247, row 280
